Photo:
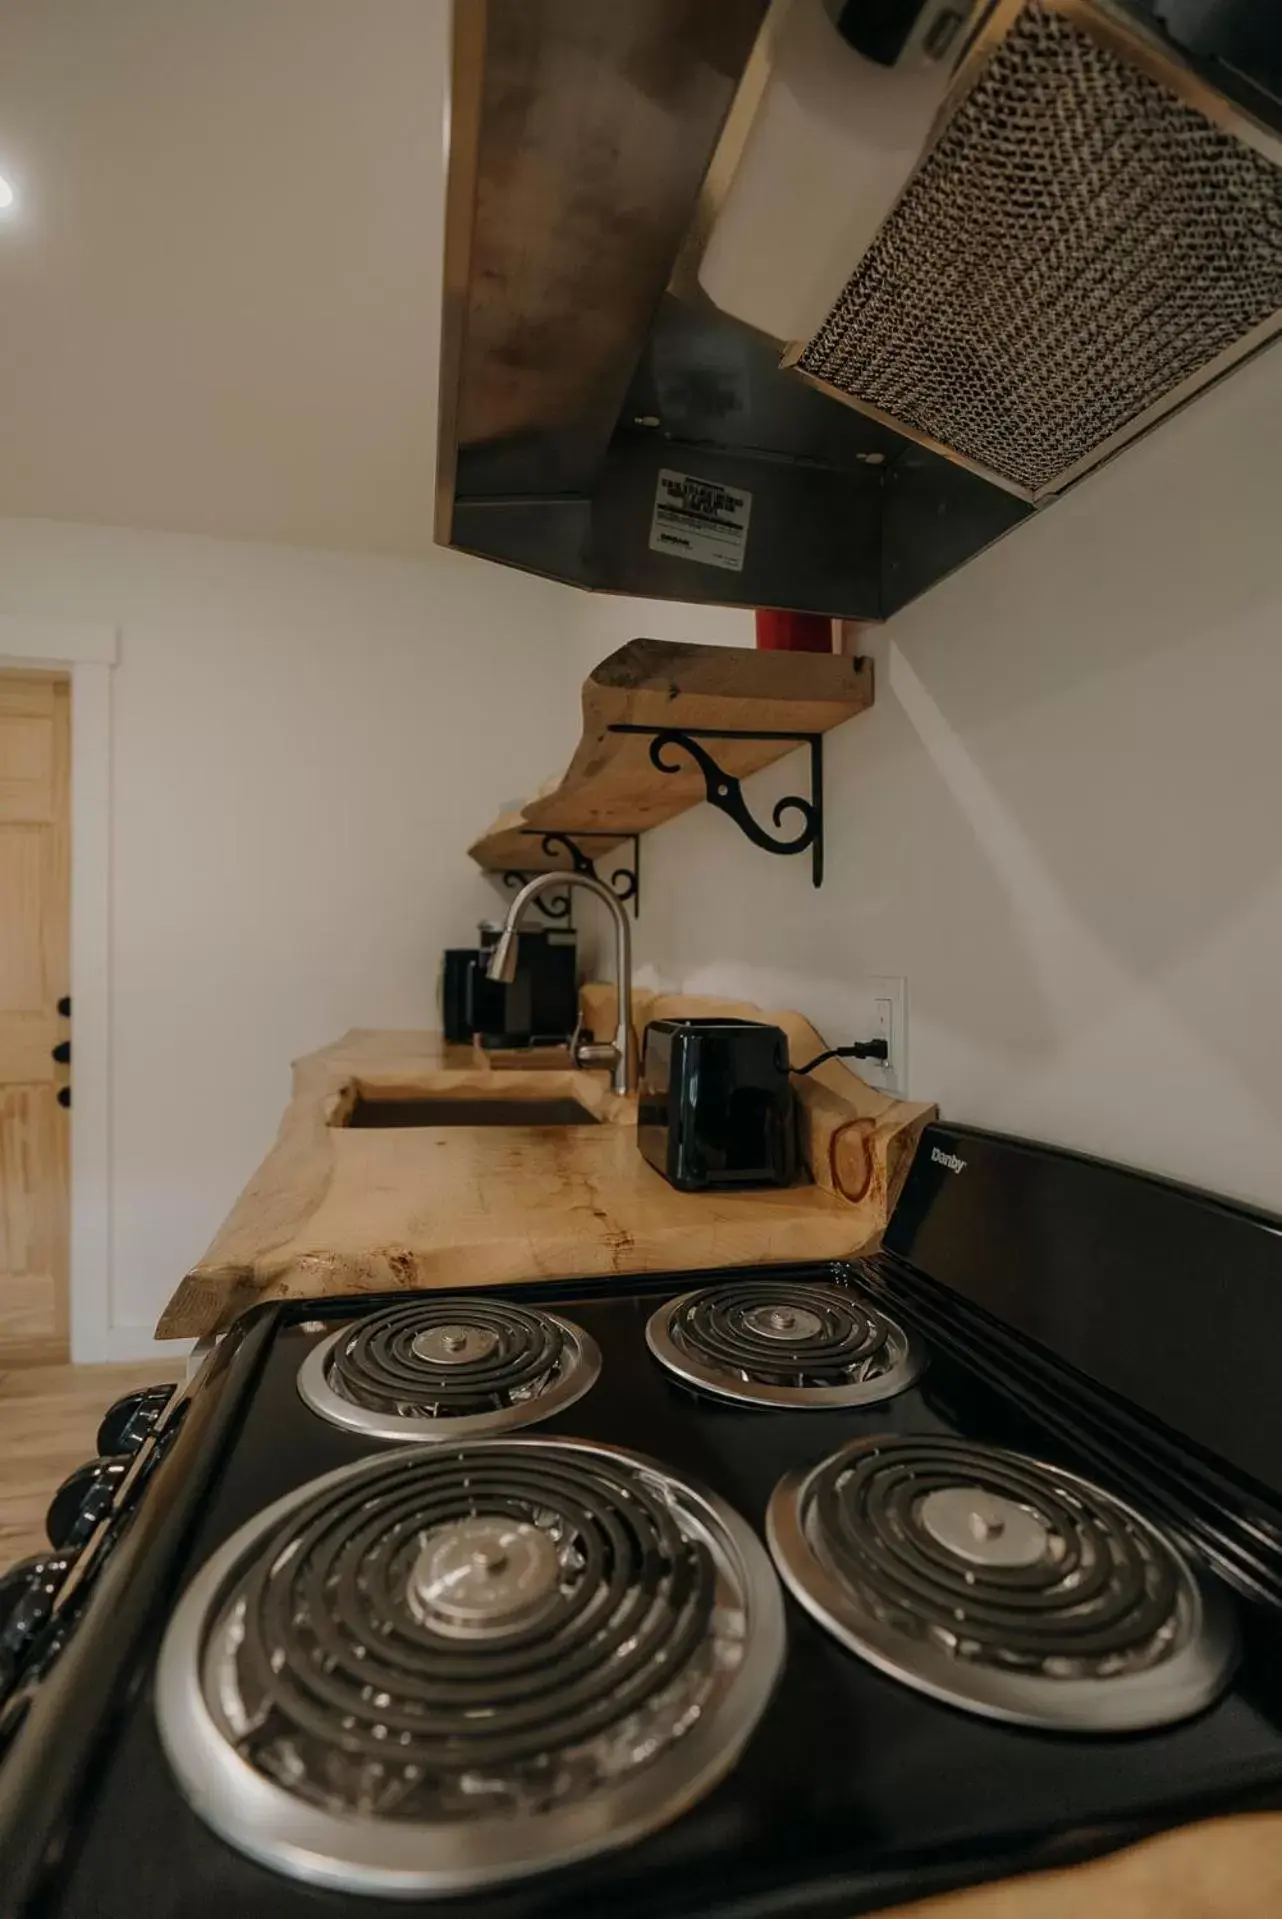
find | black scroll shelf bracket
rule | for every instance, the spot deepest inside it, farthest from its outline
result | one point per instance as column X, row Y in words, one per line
column 624, row 881
column 725, row 792
column 553, row 906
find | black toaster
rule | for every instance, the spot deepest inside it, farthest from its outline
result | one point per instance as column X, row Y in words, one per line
column 715, row 1106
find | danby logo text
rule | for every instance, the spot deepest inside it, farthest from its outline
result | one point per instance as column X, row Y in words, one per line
column 950, row 1160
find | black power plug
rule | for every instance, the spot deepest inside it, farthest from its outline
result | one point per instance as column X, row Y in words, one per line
column 878, row 1049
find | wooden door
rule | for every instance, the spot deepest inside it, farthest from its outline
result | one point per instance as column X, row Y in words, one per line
column 34, row 965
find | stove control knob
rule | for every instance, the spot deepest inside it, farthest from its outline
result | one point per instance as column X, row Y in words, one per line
column 27, row 1593
column 82, row 1501
column 133, row 1419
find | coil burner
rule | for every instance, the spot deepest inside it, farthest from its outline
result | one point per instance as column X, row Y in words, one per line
column 448, row 1367
column 452, row 1666
column 776, row 1343
column 1002, row 1585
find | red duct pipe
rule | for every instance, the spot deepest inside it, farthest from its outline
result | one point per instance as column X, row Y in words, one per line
column 793, row 632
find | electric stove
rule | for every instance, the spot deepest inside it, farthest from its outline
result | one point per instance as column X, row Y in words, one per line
column 801, row 1590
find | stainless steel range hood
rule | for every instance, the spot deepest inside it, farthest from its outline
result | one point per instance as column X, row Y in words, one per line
column 1091, row 234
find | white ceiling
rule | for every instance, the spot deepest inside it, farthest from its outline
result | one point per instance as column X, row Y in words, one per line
column 219, row 293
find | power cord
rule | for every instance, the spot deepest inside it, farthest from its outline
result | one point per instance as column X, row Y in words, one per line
column 877, row 1049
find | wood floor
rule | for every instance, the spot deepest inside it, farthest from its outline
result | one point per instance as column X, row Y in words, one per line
column 48, row 1423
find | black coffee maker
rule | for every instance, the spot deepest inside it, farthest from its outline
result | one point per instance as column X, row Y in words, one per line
column 539, row 1008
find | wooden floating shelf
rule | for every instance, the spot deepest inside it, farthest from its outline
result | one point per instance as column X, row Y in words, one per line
column 612, row 789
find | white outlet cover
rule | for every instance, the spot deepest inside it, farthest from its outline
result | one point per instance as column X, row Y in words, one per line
column 885, row 997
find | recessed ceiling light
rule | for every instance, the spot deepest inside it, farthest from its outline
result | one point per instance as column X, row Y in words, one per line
column 6, row 194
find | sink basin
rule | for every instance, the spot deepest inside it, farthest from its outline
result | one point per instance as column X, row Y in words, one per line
column 370, row 1110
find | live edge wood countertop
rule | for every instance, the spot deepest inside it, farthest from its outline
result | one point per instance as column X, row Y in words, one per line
column 340, row 1210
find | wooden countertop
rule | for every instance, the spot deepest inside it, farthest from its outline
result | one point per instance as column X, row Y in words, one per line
column 1220, row 1869
column 339, row 1210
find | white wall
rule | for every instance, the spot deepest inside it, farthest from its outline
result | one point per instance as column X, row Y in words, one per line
column 1062, row 822
column 304, row 744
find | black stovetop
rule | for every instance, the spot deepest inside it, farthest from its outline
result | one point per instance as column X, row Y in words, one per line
column 854, row 1792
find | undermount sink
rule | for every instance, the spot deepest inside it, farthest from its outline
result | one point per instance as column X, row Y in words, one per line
column 370, row 1110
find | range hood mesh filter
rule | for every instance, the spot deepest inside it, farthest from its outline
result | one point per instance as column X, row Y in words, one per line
column 1076, row 244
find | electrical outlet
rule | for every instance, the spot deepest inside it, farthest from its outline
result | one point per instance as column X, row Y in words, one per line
column 880, row 1011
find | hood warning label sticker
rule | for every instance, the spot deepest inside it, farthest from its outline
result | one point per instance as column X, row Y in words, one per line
column 700, row 520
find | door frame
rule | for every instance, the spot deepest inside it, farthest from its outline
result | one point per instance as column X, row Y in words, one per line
column 87, row 652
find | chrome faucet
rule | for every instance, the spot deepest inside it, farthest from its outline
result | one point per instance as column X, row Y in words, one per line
column 620, row 1054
